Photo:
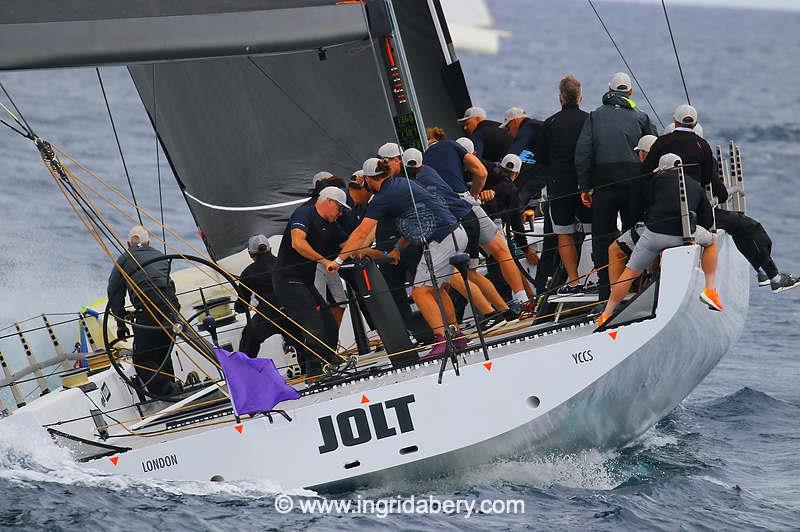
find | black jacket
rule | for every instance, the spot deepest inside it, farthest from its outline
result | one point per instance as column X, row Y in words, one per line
column 557, row 149
column 153, row 280
column 693, row 150
column 604, row 152
column 256, row 277
column 506, row 206
column 491, row 141
column 661, row 200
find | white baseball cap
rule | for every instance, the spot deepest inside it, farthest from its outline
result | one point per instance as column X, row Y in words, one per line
column 512, row 113
column 390, row 149
column 669, row 161
column 685, row 115
column 472, row 112
column 138, row 235
column 335, row 194
column 370, row 167
column 645, row 143
column 511, row 163
column 412, row 158
column 467, row 144
column 358, row 173
column 620, row 82
column 258, row 244
column 320, row 176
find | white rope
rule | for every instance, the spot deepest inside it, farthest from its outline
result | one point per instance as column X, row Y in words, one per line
column 241, row 209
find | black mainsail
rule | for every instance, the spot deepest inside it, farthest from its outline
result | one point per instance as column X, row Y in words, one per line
column 250, row 98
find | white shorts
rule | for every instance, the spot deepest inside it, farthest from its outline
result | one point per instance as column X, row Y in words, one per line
column 488, row 227
column 329, row 282
column 440, row 257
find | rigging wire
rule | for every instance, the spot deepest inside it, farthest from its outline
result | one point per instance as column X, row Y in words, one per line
column 158, row 163
column 627, row 65
column 675, row 49
column 24, row 125
column 119, row 145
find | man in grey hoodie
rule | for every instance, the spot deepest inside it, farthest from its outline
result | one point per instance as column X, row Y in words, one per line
column 607, row 166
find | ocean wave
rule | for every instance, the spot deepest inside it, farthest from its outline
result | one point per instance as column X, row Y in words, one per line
column 742, row 403
column 789, row 132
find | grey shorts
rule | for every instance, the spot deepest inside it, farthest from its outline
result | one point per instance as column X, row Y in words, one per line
column 650, row 244
column 326, row 282
column 488, row 228
column 440, row 257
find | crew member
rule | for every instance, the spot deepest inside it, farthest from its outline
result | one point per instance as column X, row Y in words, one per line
column 255, row 293
column 663, row 229
column 152, row 294
column 607, row 169
column 421, row 219
column 560, row 134
column 311, row 229
column 485, row 296
column 490, row 142
column 452, row 162
column 749, row 236
column 527, row 135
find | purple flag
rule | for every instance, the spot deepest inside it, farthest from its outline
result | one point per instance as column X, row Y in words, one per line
column 255, row 384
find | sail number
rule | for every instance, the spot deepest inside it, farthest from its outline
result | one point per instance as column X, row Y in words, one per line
column 583, row 356
column 354, row 428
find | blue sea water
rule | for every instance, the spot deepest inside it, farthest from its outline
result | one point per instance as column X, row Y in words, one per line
column 725, row 458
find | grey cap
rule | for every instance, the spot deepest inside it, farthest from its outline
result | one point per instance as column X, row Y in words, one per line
column 511, row 163
column 258, row 244
column 335, row 194
column 412, row 158
column 685, row 115
column 370, row 167
column 620, row 82
column 472, row 112
column 668, row 161
column 512, row 113
column 467, row 144
column 389, row 150
column 320, row 176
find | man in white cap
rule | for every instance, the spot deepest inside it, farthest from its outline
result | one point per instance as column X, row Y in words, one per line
column 490, row 141
column 392, row 152
column 311, row 236
column 643, row 146
column 749, row 236
column 152, row 294
column 663, row 229
column 607, row 167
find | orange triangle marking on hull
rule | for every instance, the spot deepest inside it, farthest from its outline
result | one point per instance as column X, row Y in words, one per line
column 114, row 459
column 488, row 366
column 364, row 399
column 613, row 335
column 239, row 428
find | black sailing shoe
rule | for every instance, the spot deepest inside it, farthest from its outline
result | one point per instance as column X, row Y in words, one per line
column 786, row 282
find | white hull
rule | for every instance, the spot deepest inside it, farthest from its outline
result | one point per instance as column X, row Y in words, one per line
column 572, row 390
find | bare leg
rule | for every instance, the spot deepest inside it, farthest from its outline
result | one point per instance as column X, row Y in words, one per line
column 488, row 290
column 426, row 302
column 709, row 263
column 498, row 249
column 449, row 309
column 569, row 257
column 480, row 301
column 616, row 262
column 619, row 290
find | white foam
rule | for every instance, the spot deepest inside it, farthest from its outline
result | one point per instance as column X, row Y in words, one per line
column 28, row 455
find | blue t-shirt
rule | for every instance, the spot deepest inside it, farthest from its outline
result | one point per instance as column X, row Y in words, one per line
column 433, row 183
column 323, row 236
column 349, row 220
column 394, row 202
column 447, row 158
column 527, row 140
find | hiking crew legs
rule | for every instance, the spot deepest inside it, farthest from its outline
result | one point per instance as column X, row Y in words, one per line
column 750, row 238
column 150, row 348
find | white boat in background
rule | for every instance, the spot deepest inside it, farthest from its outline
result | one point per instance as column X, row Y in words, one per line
column 550, row 383
column 472, row 26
